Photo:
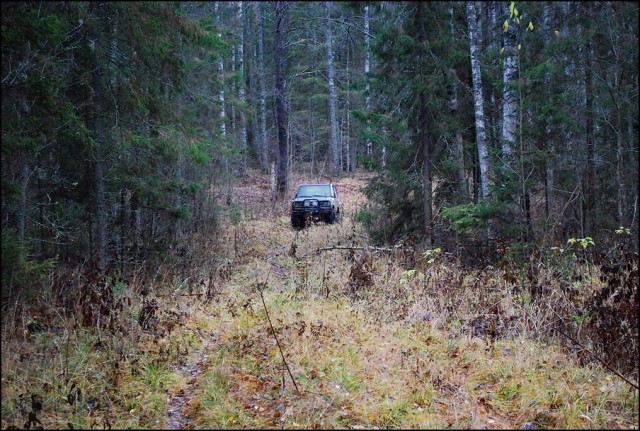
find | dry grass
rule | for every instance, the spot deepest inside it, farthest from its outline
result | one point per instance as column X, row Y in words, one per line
column 418, row 344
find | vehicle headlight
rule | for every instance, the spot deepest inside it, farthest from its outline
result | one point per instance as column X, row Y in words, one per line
column 297, row 205
column 325, row 203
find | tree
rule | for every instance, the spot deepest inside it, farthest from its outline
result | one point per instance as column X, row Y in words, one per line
column 241, row 87
column 475, row 42
column 457, row 148
column 264, row 147
column 96, row 47
column 281, row 109
column 333, row 120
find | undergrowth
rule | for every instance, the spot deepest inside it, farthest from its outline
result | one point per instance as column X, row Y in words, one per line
column 372, row 337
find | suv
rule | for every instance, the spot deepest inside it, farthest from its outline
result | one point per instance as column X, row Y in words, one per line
column 315, row 202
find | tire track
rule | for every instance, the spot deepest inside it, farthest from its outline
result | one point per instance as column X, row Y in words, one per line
column 191, row 369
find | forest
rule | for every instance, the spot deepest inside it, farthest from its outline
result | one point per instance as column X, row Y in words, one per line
column 484, row 270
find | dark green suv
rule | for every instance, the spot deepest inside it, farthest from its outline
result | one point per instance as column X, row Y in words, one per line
column 315, row 202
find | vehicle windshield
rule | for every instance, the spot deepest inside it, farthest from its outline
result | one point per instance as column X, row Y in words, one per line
column 314, row 190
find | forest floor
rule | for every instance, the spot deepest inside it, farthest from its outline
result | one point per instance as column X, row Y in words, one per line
column 306, row 329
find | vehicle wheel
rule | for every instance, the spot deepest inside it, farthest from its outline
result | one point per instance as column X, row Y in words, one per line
column 297, row 222
column 331, row 219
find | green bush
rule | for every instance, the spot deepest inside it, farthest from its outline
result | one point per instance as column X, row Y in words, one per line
column 19, row 270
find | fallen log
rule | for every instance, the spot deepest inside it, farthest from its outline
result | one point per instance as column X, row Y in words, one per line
column 367, row 247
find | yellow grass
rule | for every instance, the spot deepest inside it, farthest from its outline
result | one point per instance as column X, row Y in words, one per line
column 396, row 354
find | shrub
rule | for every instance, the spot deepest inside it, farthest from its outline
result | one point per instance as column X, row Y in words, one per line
column 19, row 269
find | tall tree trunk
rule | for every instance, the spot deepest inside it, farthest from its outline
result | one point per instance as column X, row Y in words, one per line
column 281, row 109
column 457, row 148
column 367, row 66
column 344, row 138
column 333, row 120
column 509, row 93
column 590, row 202
column 571, row 91
column 241, row 90
column 475, row 42
column 550, row 186
column 492, row 113
column 100, row 140
column 619, row 92
column 223, row 112
column 25, row 173
column 99, row 134
column 619, row 170
column 510, row 115
column 427, row 187
column 254, row 101
column 264, row 146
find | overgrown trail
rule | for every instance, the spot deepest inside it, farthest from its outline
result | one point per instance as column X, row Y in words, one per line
column 273, row 240
column 190, row 370
column 373, row 337
column 364, row 346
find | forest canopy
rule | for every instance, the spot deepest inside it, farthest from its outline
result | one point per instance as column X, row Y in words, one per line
column 488, row 123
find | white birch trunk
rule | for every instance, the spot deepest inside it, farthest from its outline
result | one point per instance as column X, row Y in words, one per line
column 509, row 93
column 223, row 114
column 241, row 90
column 233, row 90
column 475, row 42
column 223, row 127
column 333, row 121
column 344, row 139
column 367, row 66
column 264, row 146
column 551, row 148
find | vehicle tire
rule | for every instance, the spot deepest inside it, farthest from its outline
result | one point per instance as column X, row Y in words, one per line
column 297, row 222
column 331, row 219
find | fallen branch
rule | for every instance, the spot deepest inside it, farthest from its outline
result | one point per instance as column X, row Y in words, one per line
column 598, row 359
column 179, row 294
column 368, row 247
column 273, row 331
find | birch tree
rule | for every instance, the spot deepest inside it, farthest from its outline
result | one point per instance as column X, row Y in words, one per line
column 241, row 87
column 221, row 77
column 331, row 73
column 509, row 91
column 475, row 42
column 264, row 147
column 547, row 32
column 367, row 67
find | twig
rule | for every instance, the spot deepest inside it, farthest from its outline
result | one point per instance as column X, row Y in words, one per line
column 273, row 331
column 599, row 360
